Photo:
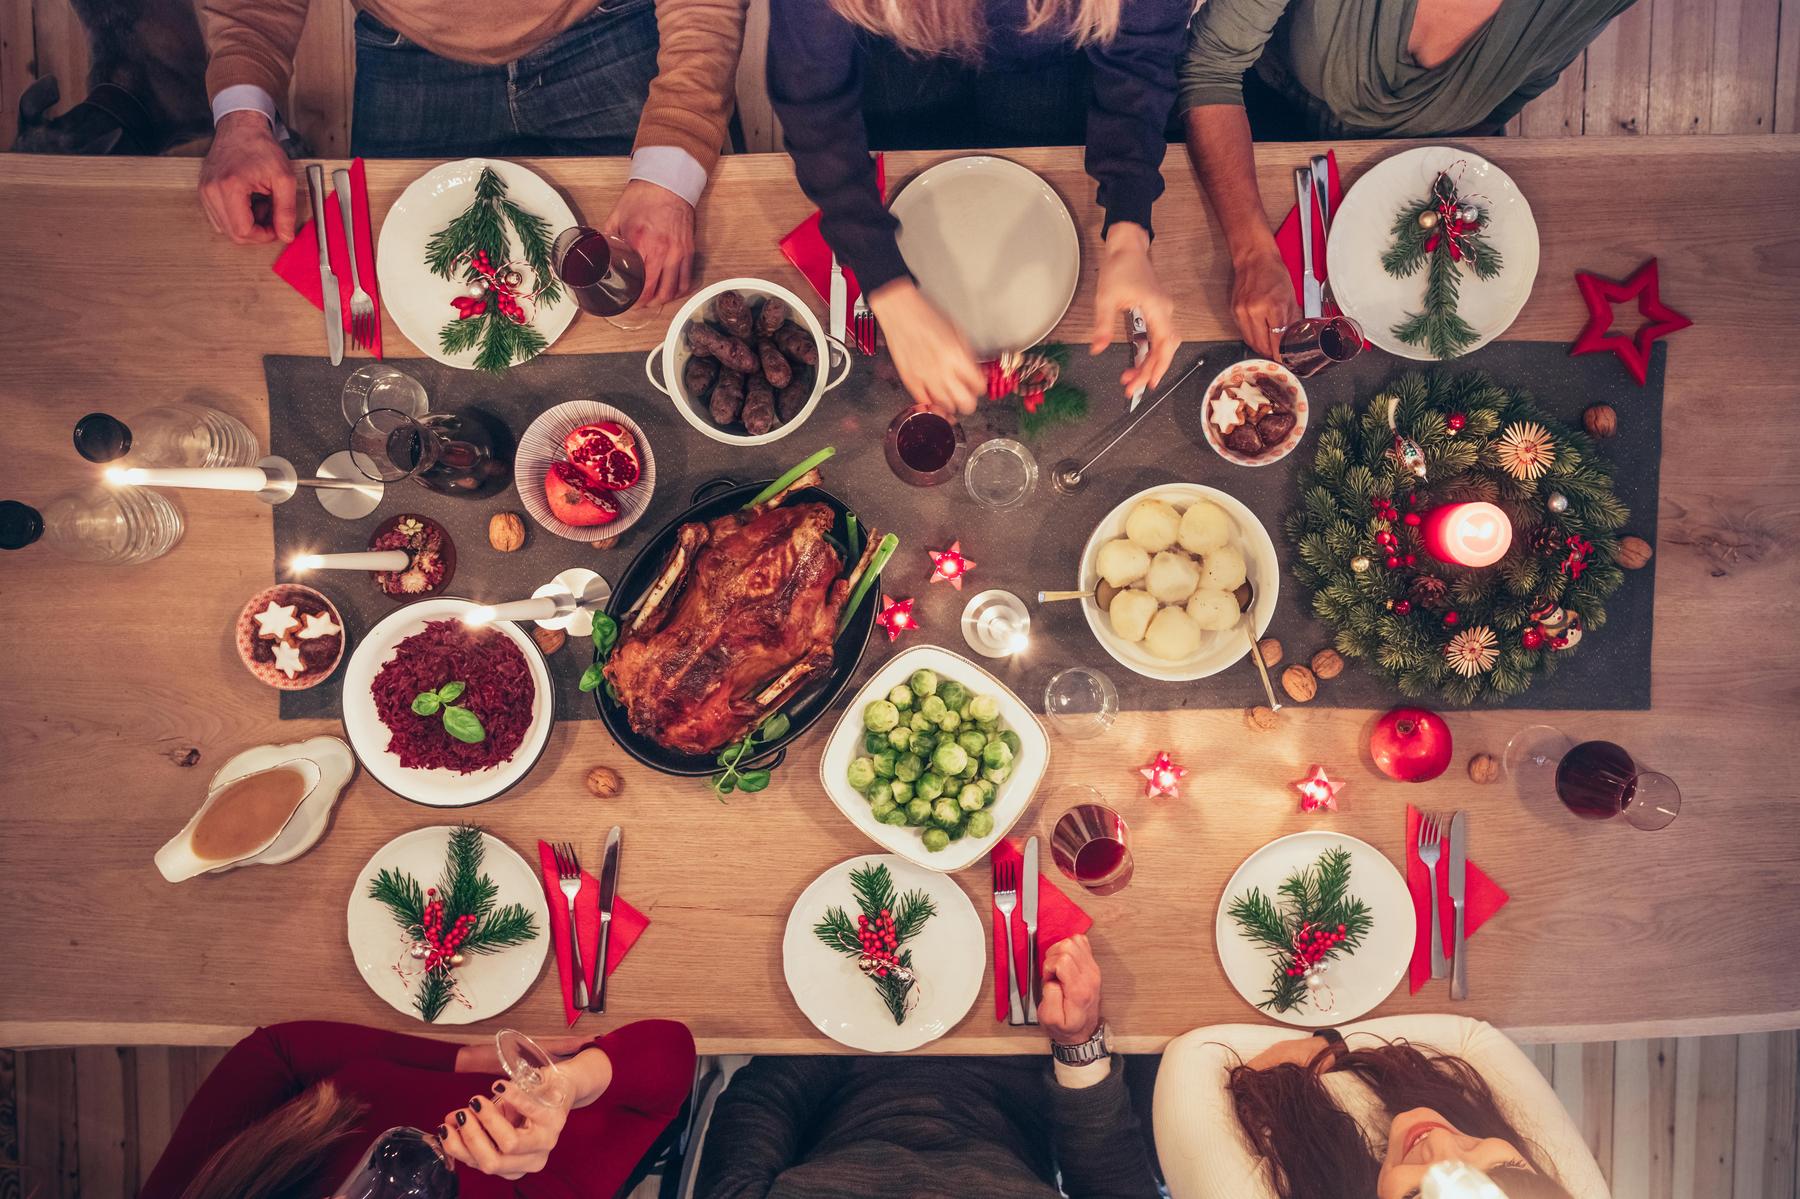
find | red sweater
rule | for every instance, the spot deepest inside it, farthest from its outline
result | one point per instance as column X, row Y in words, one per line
column 412, row 1080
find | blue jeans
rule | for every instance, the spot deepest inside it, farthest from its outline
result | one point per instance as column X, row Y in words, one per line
column 579, row 93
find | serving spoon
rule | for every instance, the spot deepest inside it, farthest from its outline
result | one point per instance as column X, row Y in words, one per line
column 1246, row 597
column 1102, row 594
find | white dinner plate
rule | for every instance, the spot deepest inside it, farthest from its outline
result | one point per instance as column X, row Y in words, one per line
column 1360, row 236
column 1011, row 798
column 369, row 737
column 542, row 445
column 1359, row 980
column 419, row 301
column 993, row 246
column 491, row 982
column 1218, row 650
column 949, row 956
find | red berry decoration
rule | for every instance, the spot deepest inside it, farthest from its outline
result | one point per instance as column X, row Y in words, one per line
column 1413, row 519
column 1393, row 561
column 1455, row 422
column 1451, row 618
column 1411, row 745
column 1533, row 638
column 1402, row 607
column 1412, row 559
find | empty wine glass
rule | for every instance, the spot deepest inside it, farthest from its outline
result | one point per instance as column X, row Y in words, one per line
column 1080, row 702
column 532, row 1069
column 378, row 385
column 1531, row 757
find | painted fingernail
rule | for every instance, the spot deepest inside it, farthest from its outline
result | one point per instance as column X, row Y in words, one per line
column 499, row 1087
column 462, row 1118
column 442, row 1132
column 475, row 1103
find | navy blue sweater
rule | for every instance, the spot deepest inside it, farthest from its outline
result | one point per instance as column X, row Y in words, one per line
column 815, row 82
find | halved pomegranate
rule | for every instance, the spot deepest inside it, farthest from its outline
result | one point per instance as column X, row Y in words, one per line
column 606, row 453
column 576, row 501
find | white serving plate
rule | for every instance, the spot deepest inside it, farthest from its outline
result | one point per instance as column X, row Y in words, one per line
column 542, row 445
column 993, row 246
column 949, row 956
column 1218, row 650
column 369, row 737
column 417, row 300
column 1011, row 798
column 492, row 982
column 1360, row 236
column 1360, row 980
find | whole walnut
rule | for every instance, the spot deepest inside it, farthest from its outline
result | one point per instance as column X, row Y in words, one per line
column 1299, row 683
column 506, row 532
column 1327, row 664
column 1484, row 768
column 1270, row 650
column 549, row 640
column 1260, row 718
column 1634, row 553
column 1601, row 420
column 605, row 782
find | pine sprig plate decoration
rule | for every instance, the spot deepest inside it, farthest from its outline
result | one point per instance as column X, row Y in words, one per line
column 885, row 922
column 1452, row 633
column 1445, row 232
column 1311, row 919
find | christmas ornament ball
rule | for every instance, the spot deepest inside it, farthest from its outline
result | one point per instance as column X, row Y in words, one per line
column 1557, row 503
column 476, row 289
column 1360, row 563
column 417, row 951
column 1468, row 214
column 1428, row 219
column 1412, row 745
column 456, row 959
column 1634, row 553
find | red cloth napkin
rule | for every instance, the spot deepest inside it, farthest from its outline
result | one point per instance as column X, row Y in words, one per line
column 1288, row 236
column 805, row 247
column 298, row 264
column 1058, row 919
column 1482, row 897
column 628, row 924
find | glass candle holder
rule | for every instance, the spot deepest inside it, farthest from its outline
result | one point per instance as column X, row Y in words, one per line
column 996, row 624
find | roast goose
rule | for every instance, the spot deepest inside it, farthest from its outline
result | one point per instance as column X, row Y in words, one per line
column 744, row 612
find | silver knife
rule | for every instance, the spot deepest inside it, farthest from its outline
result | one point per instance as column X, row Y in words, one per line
column 1459, row 873
column 1139, row 335
column 1029, row 904
column 840, row 300
column 1312, row 300
column 609, row 887
column 1321, row 173
column 328, row 285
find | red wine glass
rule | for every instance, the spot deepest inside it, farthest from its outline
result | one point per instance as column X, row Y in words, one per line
column 604, row 274
column 1091, row 843
column 922, row 445
column 1309, row 346
column 1598, row 780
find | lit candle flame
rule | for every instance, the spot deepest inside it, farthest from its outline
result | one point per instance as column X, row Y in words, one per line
column 120, row 476
column 479, row 616
column 304, row 562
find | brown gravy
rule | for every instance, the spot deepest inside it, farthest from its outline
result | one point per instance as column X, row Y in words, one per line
column 248, row 814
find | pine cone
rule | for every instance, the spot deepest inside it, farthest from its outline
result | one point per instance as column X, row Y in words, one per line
column 1544, row 539
column 1428, row 592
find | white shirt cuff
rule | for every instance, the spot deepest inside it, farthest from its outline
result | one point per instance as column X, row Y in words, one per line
column 668, row 167
column 243, row 97
column 1077, row 1078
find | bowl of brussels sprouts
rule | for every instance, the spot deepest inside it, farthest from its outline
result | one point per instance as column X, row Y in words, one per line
column 935, row 760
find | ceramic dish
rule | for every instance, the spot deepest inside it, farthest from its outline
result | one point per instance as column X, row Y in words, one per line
column 247, row 633
column 672, row 355
column 1359, row 237
column 417, row 301
column 1010, row 800
column 542, row 445
column 1218, row 650
column 332, row 767
column 437, row 788
column 417, row 535
column 949, row 954
column 1239, row 372
column 492, row 982
column 1358, row 981
column 993, row 246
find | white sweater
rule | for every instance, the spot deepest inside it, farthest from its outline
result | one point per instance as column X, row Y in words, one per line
column 1205, row 1154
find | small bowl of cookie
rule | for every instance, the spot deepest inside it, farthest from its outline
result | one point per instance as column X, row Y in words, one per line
column 1255, row 412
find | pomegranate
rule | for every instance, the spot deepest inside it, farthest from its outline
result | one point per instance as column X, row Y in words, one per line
column 1411, row 744
column 574, row 500
column 606, row 453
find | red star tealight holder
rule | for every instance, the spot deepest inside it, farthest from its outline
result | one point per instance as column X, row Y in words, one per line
column 1162, row 777
column 896, row 616
column 1318, row 791
column 1601, row 293
column 949, row 566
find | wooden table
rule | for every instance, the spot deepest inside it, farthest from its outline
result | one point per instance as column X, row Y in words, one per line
column 120, row 691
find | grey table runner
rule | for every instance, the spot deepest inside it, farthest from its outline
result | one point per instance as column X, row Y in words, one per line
column 1036, row 547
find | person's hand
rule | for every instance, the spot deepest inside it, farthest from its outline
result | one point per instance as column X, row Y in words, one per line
column 1295, row 1051
column 1127, row 280
column 245, row 161
column 1262, row 300
column 1070, row 1008
column 508, row 1134
column 936, row 365
column 659, row 225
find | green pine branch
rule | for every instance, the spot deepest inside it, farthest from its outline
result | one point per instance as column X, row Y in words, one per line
column 434, row 994
column 1318, row 895
column 482, row 227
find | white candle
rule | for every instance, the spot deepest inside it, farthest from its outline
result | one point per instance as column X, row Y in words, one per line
column 205, row 478
column 1470, row 534
column 539, row 607
column 369, row 560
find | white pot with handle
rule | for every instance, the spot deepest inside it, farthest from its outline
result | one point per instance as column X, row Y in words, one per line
column 673, row 354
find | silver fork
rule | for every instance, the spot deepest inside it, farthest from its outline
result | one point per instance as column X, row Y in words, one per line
column 1431, row 840
column 362, row 308
column 1006, row 898
column 568, row 877
column 862, row 325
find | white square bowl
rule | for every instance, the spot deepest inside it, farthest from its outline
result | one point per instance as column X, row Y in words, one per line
column 1010, row 800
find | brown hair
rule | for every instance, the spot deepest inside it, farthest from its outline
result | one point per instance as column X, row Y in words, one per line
column 280, row 1156
column 1316, row 1151
column 958, row 27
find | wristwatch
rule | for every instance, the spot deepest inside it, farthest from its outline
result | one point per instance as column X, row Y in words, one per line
column 1089, row 1051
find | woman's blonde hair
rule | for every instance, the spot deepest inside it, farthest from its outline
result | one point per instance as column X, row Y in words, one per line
column 958, row 27
column 281, row 1154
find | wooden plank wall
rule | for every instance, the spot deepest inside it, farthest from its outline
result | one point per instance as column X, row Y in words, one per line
column 1665, row 66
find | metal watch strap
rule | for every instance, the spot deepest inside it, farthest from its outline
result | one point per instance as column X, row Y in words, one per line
column 1086, row 1053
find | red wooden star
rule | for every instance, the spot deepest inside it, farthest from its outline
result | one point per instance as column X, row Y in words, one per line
column 1162, row 776
column 949, row 566
column 896, row 616
column 1318, row 791
column 1633, row 350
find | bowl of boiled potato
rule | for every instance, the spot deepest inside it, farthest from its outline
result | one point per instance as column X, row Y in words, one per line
column 1166, row 571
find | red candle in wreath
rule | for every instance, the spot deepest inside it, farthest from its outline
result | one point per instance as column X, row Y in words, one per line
column 1471, row 534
